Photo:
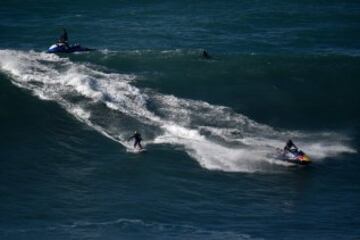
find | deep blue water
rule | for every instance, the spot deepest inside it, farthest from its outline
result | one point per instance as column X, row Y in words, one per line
column 279, row 70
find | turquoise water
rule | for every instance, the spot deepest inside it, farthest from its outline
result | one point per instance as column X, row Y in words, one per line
column 278, row 70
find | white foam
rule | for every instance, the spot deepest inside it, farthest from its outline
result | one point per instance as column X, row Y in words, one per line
column 216, row 155
column 80, row 113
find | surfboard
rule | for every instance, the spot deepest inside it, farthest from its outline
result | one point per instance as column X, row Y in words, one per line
column 140, row 150
column 137, row 150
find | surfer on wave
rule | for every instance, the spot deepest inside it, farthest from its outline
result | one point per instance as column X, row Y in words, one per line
column 137, row 138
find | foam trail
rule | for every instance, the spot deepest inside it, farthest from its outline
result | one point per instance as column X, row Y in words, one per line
column 212, row 155
column 216, row 136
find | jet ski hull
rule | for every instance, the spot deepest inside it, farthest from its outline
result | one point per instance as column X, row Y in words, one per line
column 298, row 161
column 62, row 48
column 295, row 157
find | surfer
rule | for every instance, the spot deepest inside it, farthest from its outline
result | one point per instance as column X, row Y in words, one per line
column 64, row 38
column 137, row 138
column 205, row 55
column 290, row 146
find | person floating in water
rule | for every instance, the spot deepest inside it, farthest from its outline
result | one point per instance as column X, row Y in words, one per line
column 206, row 55
column 137, row 138
column 64, row 38
column 290, row 146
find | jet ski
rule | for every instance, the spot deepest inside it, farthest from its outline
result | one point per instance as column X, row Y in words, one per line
column 63, row 48
column 295, row 156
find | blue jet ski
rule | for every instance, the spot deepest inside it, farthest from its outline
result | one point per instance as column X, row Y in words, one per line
column 63, row 48
column 295, row 156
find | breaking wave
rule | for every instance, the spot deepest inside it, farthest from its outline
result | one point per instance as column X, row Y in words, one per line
column 215, row 136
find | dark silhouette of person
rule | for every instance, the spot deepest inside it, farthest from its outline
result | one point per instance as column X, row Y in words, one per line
column 64, row 38
column 290, row 146
column 137, row 138
column 205, row 55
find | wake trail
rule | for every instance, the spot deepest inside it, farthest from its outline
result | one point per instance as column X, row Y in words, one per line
column 216, row 136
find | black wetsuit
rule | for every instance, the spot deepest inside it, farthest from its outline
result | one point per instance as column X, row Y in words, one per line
column 64, row 38
column 206, row 55
column 138, row 139
column 290, row 146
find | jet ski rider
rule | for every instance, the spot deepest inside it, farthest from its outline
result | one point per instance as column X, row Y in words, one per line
column 290, row 146
column 64, row 39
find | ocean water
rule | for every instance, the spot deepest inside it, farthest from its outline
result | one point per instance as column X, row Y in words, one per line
column 279, row 70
